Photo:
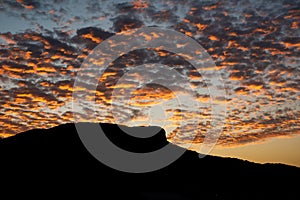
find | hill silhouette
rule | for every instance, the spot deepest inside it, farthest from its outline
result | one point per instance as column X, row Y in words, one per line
column 55, row 159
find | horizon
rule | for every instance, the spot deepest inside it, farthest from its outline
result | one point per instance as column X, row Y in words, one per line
column 242, row 152
column 253, row 47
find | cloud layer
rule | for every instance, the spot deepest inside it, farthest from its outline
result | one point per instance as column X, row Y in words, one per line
column 255, row 45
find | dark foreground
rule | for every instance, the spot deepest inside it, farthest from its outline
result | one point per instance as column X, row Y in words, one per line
column 54, row 162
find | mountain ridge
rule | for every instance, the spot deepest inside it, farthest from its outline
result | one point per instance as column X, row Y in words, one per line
column 47, row 155
column 22, row 134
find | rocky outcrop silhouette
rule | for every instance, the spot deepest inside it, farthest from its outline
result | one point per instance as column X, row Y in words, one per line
column 52, row 160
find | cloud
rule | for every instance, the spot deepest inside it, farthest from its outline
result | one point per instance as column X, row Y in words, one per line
column 255, row 48
column 28, row 4
column 126, row 22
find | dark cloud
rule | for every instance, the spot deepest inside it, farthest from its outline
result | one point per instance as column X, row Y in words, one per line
column 126, row 22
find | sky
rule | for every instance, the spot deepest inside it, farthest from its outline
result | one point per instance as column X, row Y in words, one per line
column 255, row 46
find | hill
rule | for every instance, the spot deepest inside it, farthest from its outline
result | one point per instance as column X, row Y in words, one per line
column 55, row 159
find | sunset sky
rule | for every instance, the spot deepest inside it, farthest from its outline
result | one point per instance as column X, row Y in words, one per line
column 255, row 46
